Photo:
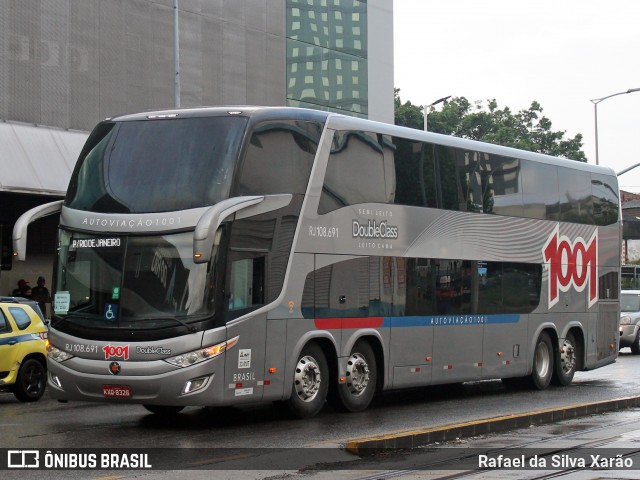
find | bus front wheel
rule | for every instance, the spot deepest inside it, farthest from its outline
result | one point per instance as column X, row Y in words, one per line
column 355, row 393
column 542, row 363
column 310, row 382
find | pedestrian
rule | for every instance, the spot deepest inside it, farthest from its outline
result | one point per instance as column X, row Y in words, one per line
column 22, row 290
column 40, row 294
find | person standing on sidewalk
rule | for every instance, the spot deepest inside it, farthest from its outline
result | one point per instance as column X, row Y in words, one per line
column 41, row 295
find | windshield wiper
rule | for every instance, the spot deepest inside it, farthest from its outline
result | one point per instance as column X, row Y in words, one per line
column 57, row 319
column 191, row 328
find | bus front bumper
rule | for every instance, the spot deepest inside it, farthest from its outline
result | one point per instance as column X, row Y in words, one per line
column 152, row 383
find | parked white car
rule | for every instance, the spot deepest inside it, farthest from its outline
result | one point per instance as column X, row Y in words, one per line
column 630, row 320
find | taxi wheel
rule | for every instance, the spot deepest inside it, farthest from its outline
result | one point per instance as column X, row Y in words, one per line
column 31, row 382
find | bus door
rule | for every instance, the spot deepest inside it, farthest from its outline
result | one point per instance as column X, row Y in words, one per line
column 406, row 291
column 457, row 329
column 245, row 293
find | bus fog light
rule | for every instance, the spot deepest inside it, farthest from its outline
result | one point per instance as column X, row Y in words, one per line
column 194, row 384
column 54, row 380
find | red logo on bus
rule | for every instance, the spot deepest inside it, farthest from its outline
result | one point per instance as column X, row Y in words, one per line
column 572, row 264
column 116, row 351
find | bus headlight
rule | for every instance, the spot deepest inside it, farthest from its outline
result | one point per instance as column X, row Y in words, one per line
column 625, row 320
column 197, row 356
column 57, row 355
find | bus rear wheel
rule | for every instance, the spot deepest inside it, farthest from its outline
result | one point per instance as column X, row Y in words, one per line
column 356, row 392
column 542, row 363
column 566, row 361
column 310, row 382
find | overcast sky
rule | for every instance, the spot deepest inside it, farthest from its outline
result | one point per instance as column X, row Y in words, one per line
column 561, row 53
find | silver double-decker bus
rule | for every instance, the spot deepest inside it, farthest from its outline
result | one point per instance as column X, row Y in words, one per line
column 238, row 255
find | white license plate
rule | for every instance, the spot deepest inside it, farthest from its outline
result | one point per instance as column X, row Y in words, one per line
column 116, row 391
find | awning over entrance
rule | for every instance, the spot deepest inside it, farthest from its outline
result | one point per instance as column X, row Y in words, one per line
column 37, row 159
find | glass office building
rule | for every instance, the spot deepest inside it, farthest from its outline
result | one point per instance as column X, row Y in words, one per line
column 327, row 53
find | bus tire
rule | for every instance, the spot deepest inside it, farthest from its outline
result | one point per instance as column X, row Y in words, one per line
column 164, row 410
column 310, row 382
column 31, row 381
column 542, row 363
column 356, row 393
column 566, row 361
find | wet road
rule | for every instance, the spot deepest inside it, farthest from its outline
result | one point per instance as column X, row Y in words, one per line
column 49, row 424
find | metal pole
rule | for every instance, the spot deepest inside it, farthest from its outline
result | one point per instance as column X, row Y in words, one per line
column 595, row 102
column 595, row 114
column 176, row 54
column 426, row 109
column 627, row 169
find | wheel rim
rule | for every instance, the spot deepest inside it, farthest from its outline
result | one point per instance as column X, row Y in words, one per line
column 33, row 380
column 357, row 374
column 568, row 357
column 543, row 360
column 307, row 379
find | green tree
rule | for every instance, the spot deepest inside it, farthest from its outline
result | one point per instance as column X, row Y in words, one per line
column 407, row 115
column 526, row 130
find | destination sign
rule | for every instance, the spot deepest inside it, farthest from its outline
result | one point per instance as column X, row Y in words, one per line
column 95, row 243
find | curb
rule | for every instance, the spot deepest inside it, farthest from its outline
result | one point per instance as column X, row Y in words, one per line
column 417, row 438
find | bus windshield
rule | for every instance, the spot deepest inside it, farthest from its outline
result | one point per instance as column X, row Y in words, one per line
column 156, row 166
column 136, row 282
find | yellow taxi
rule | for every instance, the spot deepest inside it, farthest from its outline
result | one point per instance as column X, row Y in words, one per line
column 23, row 349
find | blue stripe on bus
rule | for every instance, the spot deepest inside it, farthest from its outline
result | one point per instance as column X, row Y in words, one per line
column 27, row 337
column 450, row 320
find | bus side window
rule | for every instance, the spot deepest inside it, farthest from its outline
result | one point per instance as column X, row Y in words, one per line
column 540, row 192
column 279, row 158
column 356, row 172
column 605, row 199
column 246, row 286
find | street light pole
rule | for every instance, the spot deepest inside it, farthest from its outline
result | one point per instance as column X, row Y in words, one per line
column 176, row 55
column 426, row 108
column 595, row 102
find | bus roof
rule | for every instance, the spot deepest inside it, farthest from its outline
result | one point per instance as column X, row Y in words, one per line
column 261, row 113
column 342, row 122
column 338, row 121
